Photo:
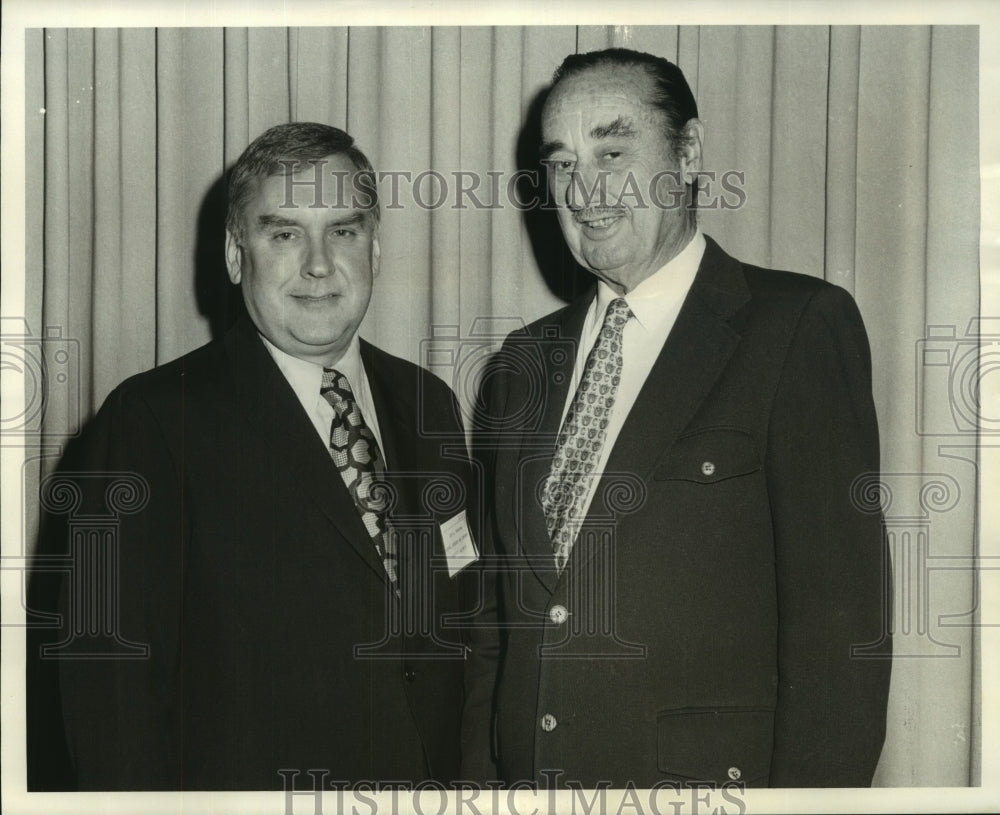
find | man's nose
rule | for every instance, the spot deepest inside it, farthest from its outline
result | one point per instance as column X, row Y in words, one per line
column 318, row 261
column 584, row 189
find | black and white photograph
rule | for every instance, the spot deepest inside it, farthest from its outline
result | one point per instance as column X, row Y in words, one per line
column 409, row 408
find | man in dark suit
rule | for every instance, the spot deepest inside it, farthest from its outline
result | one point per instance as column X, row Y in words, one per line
column 280, row 573
column 689, row 582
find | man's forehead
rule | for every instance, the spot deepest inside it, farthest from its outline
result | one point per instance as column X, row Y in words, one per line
column 323, row 183
column 598, row 96
column 600, row 114
column 575, row 108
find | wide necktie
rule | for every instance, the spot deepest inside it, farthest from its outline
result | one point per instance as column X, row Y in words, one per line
column 581, row 437
column 356, row 454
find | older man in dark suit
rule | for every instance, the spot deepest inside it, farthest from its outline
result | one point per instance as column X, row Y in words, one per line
column 282, row 578
column 687, row 577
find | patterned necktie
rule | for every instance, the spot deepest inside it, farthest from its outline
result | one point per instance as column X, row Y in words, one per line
column 582, row 434
column 355, row 453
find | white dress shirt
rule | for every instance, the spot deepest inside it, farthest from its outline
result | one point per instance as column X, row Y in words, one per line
column 655, row 303
column 307, row 377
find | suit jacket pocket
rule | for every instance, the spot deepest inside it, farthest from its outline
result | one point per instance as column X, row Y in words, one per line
column 719, row 745
column 710, row 455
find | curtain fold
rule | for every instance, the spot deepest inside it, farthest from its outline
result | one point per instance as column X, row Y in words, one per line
column 858, row 148
column 840, row 173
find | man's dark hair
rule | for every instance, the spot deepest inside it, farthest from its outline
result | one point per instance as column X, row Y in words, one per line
column 285, row 148
column 671, row 94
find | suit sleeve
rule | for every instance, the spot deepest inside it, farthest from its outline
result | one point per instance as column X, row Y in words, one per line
column 121, row 730
column 830, row 555
column 479, row 760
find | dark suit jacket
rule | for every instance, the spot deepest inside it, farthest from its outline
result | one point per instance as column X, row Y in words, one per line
column 250, row 576
column 702, row 630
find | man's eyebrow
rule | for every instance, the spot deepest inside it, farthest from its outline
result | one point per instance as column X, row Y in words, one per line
column 265, row 221
column 548, row 148
column 356, row 217
column 268, row 221
column 620, row 127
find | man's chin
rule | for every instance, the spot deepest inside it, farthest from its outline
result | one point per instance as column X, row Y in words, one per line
column 607, row 255
column 321, row 348
column 604, row 267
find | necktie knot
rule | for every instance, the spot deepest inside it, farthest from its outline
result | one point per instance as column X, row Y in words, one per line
column 336, row 389
column 618, row 314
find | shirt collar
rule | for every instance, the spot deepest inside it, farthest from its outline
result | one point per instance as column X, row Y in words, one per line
column 306, row 377
column 651, row 300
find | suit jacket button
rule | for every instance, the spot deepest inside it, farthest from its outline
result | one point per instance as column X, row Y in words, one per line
column 549, row 722
column 409, row 674
column 558, row 614
column 735, row 774
column 707, row 468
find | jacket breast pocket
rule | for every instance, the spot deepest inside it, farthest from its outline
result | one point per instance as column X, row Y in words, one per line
column 717, row 745
column 709, row 456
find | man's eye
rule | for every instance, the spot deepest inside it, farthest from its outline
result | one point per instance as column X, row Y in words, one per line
column 283, row 236
column 613, row 154
column 344, row 233
column 564, row 165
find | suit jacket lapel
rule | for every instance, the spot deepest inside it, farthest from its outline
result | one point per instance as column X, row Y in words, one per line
column 272, row 411
column 397, row 421
column 693, row 356
column 407, row 461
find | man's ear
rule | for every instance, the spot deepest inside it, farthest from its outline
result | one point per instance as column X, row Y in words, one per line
column 234, row 258
column 376, row 254
column 692, row 137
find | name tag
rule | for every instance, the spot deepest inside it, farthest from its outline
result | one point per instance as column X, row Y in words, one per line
column 459, row 547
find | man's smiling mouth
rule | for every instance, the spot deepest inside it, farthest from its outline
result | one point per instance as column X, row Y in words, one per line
column 598, row 218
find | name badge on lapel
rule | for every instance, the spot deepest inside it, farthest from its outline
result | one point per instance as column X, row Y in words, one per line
column 459, row 547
